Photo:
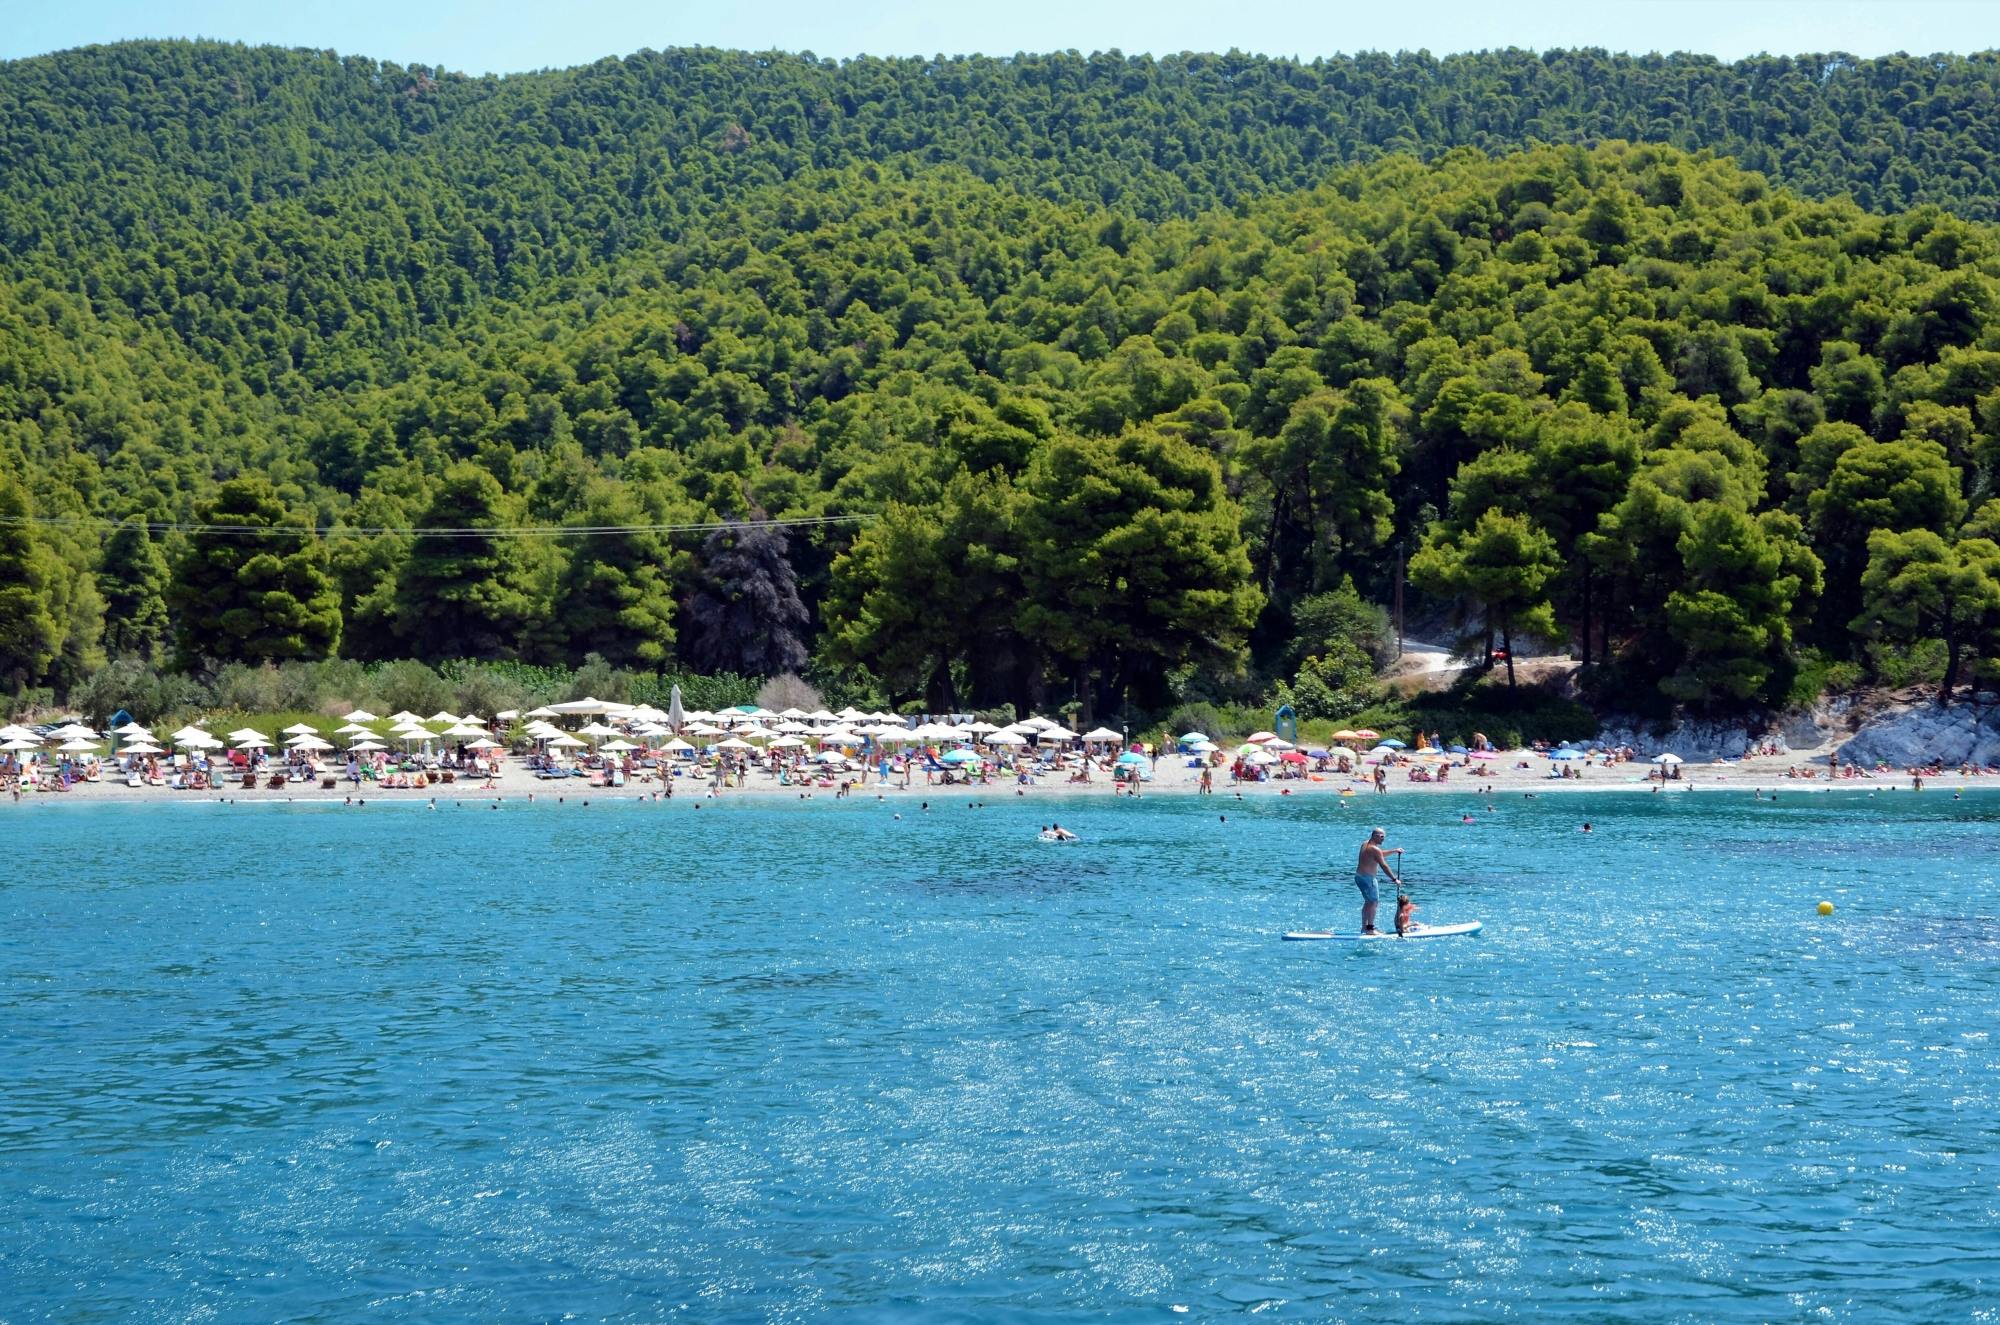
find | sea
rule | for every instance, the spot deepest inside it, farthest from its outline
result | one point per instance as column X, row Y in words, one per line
column 757, row 1059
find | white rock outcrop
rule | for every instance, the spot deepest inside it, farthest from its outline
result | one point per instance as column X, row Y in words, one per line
column 1922, row 733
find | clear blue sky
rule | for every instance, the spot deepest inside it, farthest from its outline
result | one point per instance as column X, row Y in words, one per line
column 509, row 35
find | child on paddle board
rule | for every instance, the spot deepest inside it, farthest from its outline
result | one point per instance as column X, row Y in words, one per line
column 1405, row 914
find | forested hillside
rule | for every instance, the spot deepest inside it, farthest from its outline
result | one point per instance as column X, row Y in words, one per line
column 1107, row 378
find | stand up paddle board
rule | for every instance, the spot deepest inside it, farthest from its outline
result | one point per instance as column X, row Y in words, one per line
column 1425, row 932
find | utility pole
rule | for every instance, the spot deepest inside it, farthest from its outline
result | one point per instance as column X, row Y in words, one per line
column 1399, row 600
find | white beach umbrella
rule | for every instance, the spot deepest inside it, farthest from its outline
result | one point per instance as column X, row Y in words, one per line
column 466, row 729
column 821, row 715
column 793, row 714
column 1005, row 738
column 597, row 729
column 368, row 745
column 1258, row 738
column 837, row 737
column 677, row 746
column 1034, row 722
column 74, row 731
column 198, row 741
column 311, row 743
column 1668, row 758
column 566, row 741
column 581, row 707
column 1279, row 744
column 132, row 729
column 543, row 712
column 355, row 729
column 618, row 746
column 445, row 717
column 1056, row 734
column 20, row 744
column 787, row 743
column 400, row 715
column 733, row 743
column 507, row 715
column 483, row 743
column 363, row 715
column 1103, row 734
column 77, row 745
column 143, row 748
column 249, row 734
column 301, row 729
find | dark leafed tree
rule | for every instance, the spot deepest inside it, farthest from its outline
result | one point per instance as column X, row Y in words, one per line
column 133, row 580
column 747, row 616
column 28, row 635
column 258, row 590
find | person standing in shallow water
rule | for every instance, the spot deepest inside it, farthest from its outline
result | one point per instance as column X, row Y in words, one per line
column 1374, row 861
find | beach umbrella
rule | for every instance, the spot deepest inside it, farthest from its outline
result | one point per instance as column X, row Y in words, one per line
column 787, row 743
column 543, row 712
column 677, row 746
column 355, row 729
column 1292, row 757
column 566, row 741
column 1345, row 735
column 618, row 746
column 584, row 707
column 198, row 741
column 311, row 743
column 132, row 729
column 507, row 715
column 249, row 736
column 466, row 729
column 444, row 716
column 1260, row 757
column 77, row 745
column 20, row 745
column 368, row 745
column 301, row 729
column 1189, row 738
column 1056, row 734
column 142, row 748
column 400, row 715
column 1131, row 757
column 958, row 757
column 1203, row 746
column 363, row 715
column 1565, row 754
column 1258, row 738
column 15, row 732
column 1005, row 738
column 1279, row 745
column 1364, row 734
column 1668, row 758
column 488, row 743
column 1383, row 749
column 734, row 743
column 1393, row 744
column 1103, row 734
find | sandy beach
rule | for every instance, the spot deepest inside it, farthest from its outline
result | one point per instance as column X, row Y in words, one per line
column 1170, row 777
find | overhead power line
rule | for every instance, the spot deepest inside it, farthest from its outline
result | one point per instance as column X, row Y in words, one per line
column 201, row 529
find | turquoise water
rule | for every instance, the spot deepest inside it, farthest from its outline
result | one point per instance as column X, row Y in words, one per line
column 634, row 1062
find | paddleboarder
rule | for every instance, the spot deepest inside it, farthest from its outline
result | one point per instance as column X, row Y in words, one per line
column 1374, row 860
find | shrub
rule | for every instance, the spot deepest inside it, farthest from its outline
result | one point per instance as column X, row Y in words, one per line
column 411, row 685
column 786, row 691
column 1197, row 717
column 141, row 689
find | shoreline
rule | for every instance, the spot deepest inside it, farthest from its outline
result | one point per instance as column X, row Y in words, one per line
column 1510, row 783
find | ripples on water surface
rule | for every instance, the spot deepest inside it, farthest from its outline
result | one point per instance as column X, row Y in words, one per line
column 778, row 1061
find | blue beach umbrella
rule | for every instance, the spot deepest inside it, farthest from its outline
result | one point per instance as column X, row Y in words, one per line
column 1566, row 754
column 1393, row 743
column 1131, row 758
column 959, row 757
column 1458, row 749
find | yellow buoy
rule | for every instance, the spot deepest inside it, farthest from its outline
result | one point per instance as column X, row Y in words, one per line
column 1826, row 908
